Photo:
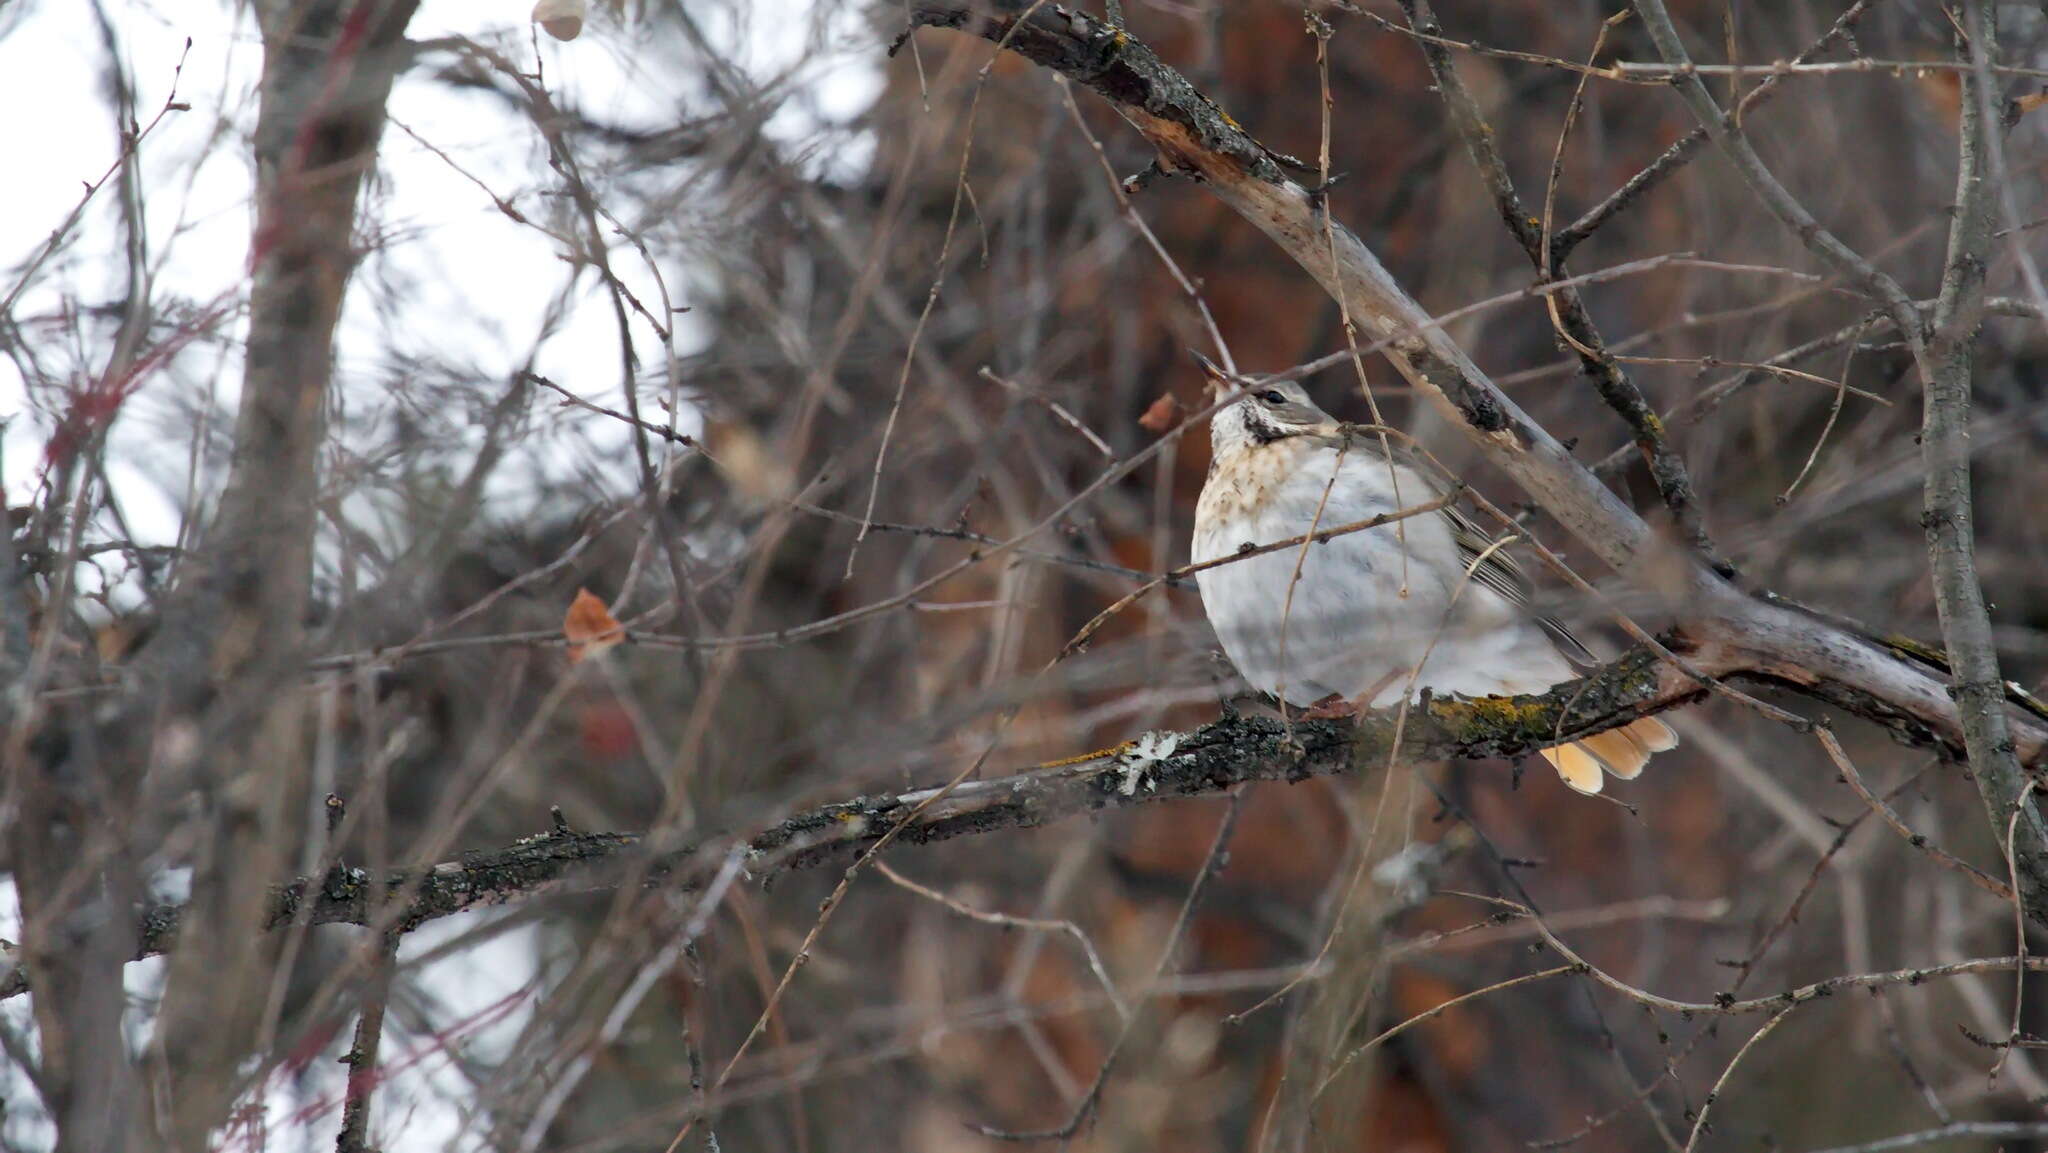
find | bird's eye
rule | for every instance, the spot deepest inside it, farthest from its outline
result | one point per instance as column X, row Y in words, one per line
column 1273, row 396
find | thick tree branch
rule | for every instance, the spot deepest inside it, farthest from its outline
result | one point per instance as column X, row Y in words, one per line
column 1942, row 352
column 1667, row 468
column 1757, row 635
column 1196, row 138
column 1207, row 761
column 1945, row 448
column 235, row 628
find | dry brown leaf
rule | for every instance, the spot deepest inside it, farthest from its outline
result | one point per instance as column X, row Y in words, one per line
column 590, row 626
column 1163, row 415
column 563, row 19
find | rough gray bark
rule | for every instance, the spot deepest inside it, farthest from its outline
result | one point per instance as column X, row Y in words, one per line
column 1942, row 354
column 1945, row 447
column 1196, row 138
column 1206, row 761
column 235, row 630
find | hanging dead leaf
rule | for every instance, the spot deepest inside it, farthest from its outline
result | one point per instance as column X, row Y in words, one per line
column 1163, row 415
column 589, row 626
column 563, row 19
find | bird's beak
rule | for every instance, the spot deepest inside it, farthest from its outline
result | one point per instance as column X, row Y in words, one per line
column 1218, row 382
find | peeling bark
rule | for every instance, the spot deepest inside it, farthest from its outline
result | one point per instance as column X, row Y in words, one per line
column 1823, row 658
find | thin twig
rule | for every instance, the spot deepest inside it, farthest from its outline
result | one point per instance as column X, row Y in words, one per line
column 647, row 426
column 941, row 265
column 1699, row 1122
column 1212, row 864
column 1320, row 204
column 131, row 145
column 1011, row 921
column 1438, row 1010
column 1890, row 817
column 361, row 1058
column 1050, row 405
column 1958, row 1130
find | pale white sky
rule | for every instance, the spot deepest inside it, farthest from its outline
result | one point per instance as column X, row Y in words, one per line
column 476, row 286
column 475, row 283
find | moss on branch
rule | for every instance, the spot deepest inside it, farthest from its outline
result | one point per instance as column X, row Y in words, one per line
column 1232, row 750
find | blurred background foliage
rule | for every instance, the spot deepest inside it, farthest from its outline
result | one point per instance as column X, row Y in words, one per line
column 808, row 258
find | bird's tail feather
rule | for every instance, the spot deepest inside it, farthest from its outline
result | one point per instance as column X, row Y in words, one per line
column 1621, row 752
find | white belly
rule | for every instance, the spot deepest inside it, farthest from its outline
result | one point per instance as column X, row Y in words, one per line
column 1343, row 626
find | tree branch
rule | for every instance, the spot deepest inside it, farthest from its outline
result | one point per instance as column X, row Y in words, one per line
column 1942, row 353
column 1196, row 138
column 1667, row 468
column 1212, row 759
column 235, row 628
column 1945, row 448
column 1207, row 761
column 1760, row 636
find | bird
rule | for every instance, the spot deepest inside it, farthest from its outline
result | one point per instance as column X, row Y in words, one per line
column 1427, row 602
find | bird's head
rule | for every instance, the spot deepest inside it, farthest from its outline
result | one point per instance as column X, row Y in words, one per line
column 1268, row 411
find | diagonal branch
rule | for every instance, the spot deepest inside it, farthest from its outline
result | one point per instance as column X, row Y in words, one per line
column 1942, row 353
column 1667, row 468
column 1759, row 635
column 1208, row 761
column 1196, row 138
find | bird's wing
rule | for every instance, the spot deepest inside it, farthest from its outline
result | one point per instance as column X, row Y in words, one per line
column 1502, row 573
column 1499, row 571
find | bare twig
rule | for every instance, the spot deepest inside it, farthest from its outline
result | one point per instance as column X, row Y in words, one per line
column 1943, row 354
column 1699, row 1121
column 961, row 191
column 1212, row 864
column 646, row 426
column 361, row 1058
column 1011, row 921
column 1393, row 1031
column 1955, row 1131
column 1890, row 817
column 131, row 145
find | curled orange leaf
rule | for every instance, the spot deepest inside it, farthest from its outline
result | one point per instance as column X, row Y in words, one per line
column 1162, row 415
column 589, row 626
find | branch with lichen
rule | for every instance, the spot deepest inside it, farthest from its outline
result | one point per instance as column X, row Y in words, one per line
column 1208, row 761
column 1758, row 636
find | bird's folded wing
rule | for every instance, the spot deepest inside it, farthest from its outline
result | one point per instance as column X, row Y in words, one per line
column 1502, row 573
column 1499, row 570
